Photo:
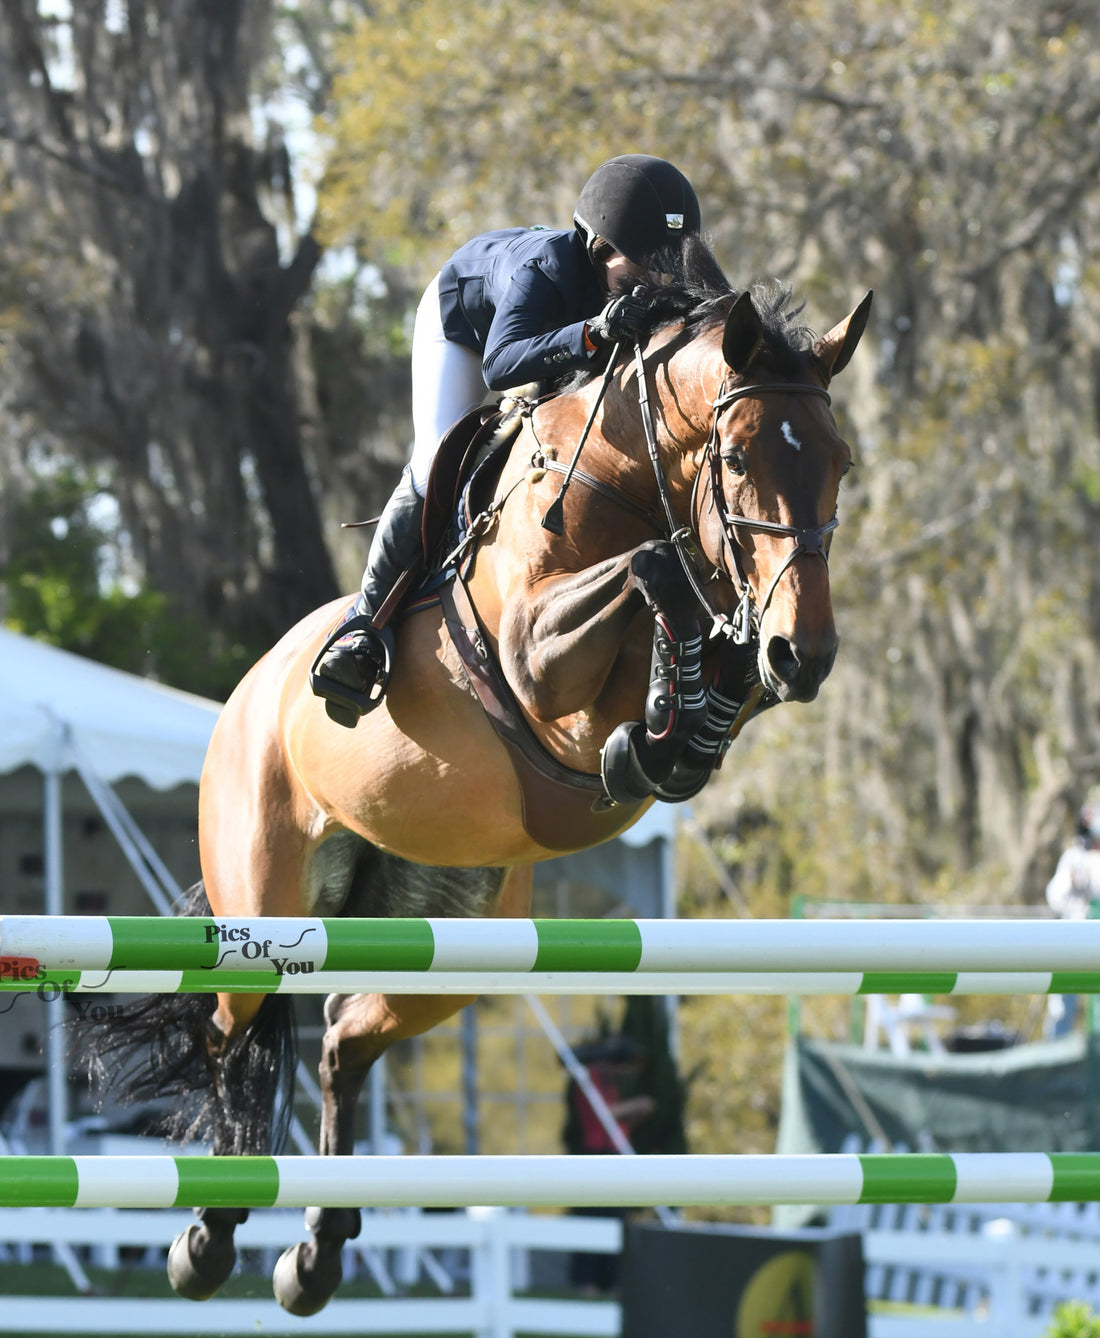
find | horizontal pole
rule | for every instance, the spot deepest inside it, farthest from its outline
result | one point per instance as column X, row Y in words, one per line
column 618, row 947
column 389, row 1228
column 550, row 1181
column 45, row 986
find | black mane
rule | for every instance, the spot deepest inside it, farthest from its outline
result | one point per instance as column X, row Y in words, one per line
column 698, row 308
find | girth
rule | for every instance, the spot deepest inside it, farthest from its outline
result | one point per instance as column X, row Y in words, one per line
column 563, row 809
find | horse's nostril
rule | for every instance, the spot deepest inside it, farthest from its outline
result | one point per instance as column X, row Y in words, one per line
column 783, row 659
column 798, row 674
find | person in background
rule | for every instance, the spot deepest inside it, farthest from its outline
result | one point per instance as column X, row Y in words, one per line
column 1070, row 893
column 616, row 1066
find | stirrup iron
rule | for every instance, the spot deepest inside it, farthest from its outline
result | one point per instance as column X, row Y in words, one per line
column 343, row 704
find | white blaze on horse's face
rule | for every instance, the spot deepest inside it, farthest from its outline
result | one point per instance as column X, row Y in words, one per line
column 789, row 437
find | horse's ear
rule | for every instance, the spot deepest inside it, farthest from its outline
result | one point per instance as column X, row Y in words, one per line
column 836, row 348
column 743, row 334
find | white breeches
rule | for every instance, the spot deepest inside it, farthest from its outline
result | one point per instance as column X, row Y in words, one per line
column 446, row 382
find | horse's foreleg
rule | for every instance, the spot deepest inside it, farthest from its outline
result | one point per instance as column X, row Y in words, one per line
column 559, row 642
column 640, row 755
column 730, row 704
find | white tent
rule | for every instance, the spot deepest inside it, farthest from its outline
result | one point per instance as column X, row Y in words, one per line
column 56, row 709
column 61, row 713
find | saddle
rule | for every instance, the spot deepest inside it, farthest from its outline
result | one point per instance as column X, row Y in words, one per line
column 480, row 437
column 470, row 449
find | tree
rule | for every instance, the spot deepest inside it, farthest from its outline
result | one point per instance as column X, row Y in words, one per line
column 151, row 246
column 162, row 317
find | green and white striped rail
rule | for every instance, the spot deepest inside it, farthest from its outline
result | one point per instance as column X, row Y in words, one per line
column 552, row 1181
column 624, row 948
column 50, row 985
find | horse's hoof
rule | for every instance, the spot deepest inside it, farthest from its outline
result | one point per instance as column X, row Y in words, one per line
column 684, row 784
column 305, row 1296
column 659, row 575
column 196, row 1273
column 625, row 780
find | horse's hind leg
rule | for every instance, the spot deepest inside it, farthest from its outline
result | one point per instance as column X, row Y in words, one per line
column 201, row 1258
column 359, row 1030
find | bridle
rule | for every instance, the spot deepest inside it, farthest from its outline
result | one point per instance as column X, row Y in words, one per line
column 806, row 540
column 746, row 619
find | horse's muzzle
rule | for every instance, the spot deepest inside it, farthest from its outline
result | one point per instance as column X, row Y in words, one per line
column 795, row 670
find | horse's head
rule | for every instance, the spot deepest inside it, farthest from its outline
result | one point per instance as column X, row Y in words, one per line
column 766, row 496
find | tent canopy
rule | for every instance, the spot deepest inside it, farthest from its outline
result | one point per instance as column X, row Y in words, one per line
column 54, row 704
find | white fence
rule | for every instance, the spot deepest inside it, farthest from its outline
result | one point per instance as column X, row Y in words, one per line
column 496, row 1240
column 1006, row 1285
column 979, row 1270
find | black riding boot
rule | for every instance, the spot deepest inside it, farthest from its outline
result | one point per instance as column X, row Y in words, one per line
column 353, row 669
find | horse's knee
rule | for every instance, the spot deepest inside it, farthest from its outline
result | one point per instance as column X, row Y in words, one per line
column 659, row 575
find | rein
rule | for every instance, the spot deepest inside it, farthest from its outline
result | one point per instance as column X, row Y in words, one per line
column 806, row 540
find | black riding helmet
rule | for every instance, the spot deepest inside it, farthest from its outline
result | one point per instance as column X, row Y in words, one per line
column 637, row 203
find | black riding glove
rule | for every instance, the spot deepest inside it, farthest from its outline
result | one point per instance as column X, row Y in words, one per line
column 622, row 318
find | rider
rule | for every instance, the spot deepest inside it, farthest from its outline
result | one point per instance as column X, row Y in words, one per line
column 508, row 308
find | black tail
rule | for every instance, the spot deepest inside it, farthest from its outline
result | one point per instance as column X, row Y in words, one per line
column 154, row 1048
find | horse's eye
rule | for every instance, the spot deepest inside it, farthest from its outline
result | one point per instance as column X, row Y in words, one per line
column 845, row 467
column 734, row 460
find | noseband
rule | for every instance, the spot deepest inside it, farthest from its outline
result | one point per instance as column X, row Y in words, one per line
column 811, row 540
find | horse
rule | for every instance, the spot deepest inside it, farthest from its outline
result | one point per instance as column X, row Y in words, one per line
column 600, row 637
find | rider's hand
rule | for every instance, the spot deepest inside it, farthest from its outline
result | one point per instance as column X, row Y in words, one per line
column 622, row 318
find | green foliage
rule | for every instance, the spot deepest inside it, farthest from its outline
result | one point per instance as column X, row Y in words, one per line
column 63, row 585
column 452, row 116
column 1074, row 1320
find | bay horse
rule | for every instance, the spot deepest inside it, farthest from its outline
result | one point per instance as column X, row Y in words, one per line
column 565, row 681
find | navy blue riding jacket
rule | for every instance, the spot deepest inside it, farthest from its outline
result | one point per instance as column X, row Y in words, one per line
column 520, row 298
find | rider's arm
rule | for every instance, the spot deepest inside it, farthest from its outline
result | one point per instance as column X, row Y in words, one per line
column 534, row 334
